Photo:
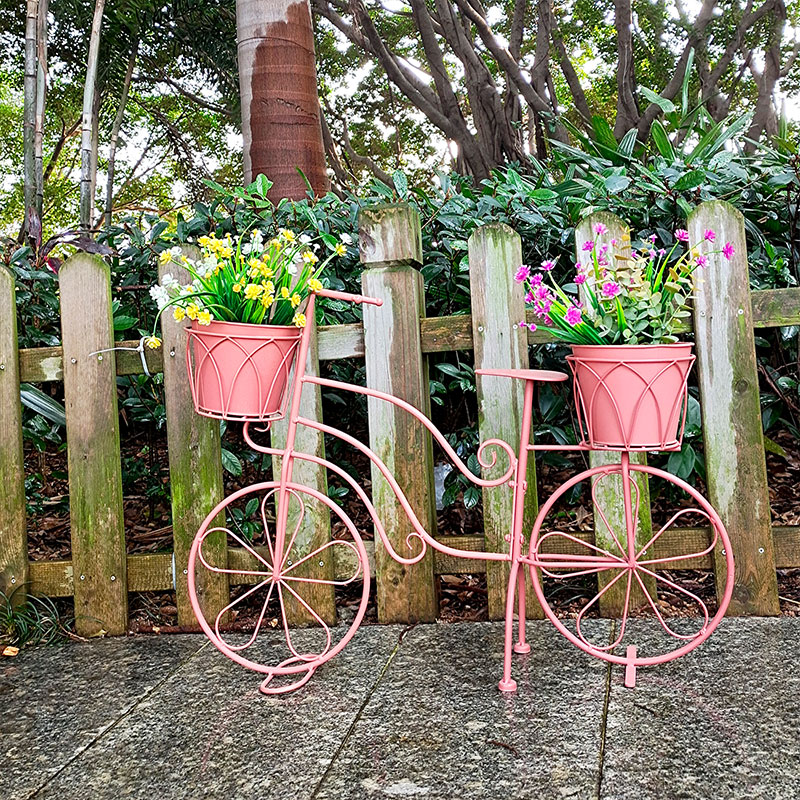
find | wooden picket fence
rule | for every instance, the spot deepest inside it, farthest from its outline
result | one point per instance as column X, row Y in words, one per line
column 100, row 574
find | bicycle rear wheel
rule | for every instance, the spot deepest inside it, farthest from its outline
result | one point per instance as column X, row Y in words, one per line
column 282, row 590
column 657, row 578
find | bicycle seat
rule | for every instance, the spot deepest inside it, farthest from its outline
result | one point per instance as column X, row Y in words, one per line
column 543, row 375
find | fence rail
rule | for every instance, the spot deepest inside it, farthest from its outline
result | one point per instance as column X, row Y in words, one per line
column 100, row 574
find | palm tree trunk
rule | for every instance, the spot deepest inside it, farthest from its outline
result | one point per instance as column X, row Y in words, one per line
column 29, row 116
column 88, row 139
column 41, row 96
column 280, row 106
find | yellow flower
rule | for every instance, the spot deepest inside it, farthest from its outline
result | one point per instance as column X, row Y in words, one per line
column 204, row 317
column 253, row 263
column 276, row 244
column 299, row 320
column 252, row 291
column 204, row 241
column 287, row 235
column 153, row 342
column 165, row 257
column 226, row 252
column 315, row 285
column 237, row 287
column 284, row 293
column 267, row 299
column 178, row 313
column 340, row 249
column 266, row 271
column 192, row 310
column 269, row 287
column 295, row 300
column 309, row 257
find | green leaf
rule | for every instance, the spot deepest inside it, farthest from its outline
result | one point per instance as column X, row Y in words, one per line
column 231, row 463
column 690, row 180
column 546, row 195
column 667, row 106
column 616, row 183
column 36, row 400
column 400, row 183
column 123, row 322
column 471, row 497
column 603, row 132
column 662, row 142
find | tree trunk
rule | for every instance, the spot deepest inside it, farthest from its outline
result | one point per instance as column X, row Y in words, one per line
column 627, row 110
column 29, row 116
column 41, row 96
column 88, row 139
column 115, row 129
column 280, row 106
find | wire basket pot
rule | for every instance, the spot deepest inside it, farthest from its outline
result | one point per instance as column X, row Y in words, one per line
column 632, row 397
column 241, row 371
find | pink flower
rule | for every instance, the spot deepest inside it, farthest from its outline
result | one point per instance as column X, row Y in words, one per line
column 529, row 297
column 662, row 252
column 536, row 279
column 709, row 235
column 701, row 261
column 682, row 235
column 580, row 278
column 547, row 265
column 541, row 292
column 611, row 289
column 531, row 326
column 523, row 273
column 573, row 316
column 588, row 246
column 614, row 242
column 548, row 321
column 652, row 238
column 600, row 229
column 728, row 250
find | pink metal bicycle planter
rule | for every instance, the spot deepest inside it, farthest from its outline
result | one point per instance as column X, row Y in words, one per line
column 276, row 576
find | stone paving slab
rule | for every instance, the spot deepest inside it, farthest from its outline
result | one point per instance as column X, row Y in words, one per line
column 209, row 733
column 722, row 722
column 56, row 701
column 437, row 727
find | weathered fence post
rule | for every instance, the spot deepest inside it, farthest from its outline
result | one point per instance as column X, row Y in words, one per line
column 316, row 522
column 390, row 242
column 95, row 479
column 195, row 469
column 500, row 342
column 609, row 490
column 732, row 433
column 13, row 535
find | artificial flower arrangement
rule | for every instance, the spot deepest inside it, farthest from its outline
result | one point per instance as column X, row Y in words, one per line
column 250, row 281
column 639, row 298
column 621, row 314
column 246, row 301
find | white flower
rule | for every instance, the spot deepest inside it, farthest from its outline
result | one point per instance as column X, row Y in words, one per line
column 292, row 269
column 305, row 239
column 257, row 238
column 247, row 248
column 346, row 238
column 176, row 251
column 159, row 295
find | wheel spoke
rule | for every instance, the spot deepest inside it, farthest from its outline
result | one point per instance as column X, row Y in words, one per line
column 581, row 564
column 677, row 515
column 600, row 511
column 288, row 576
column 239, row 599
column 596, row 599
column 227, row 570
column 287, row 635
column 676, row 587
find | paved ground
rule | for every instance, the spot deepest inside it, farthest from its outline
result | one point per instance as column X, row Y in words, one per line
column 405, row 714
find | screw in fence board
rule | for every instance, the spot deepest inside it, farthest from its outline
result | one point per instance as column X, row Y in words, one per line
column 500, row 342
column 390, row 236
column 316, row 521
column 195, row 469
column 609, row 490
column 93, row 448
column 13, row 537
column 732, row 433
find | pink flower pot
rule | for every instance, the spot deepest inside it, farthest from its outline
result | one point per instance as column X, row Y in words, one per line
column 240, row 371
column 632, row 396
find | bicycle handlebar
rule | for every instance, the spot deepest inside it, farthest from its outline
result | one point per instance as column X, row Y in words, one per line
column 350, row 298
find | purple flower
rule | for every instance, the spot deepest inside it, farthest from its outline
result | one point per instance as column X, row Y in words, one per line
column 523, row 273
column 709, row 235
column 588, row 246
column 536, row 279
column 728, row 250
column 580, row 278
column 701, row 261
column 547, row 265
column 600, row 229
column 611, row 289
column 682, row 235
column 573, row 316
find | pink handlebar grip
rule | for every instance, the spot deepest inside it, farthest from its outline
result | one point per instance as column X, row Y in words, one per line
column 349, row 298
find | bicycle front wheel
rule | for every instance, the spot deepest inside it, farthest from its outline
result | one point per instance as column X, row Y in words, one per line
column 283, row 588
column 660, row 572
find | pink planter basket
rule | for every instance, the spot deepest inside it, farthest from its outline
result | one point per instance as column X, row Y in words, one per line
column 240, row 371
column 631, row 397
